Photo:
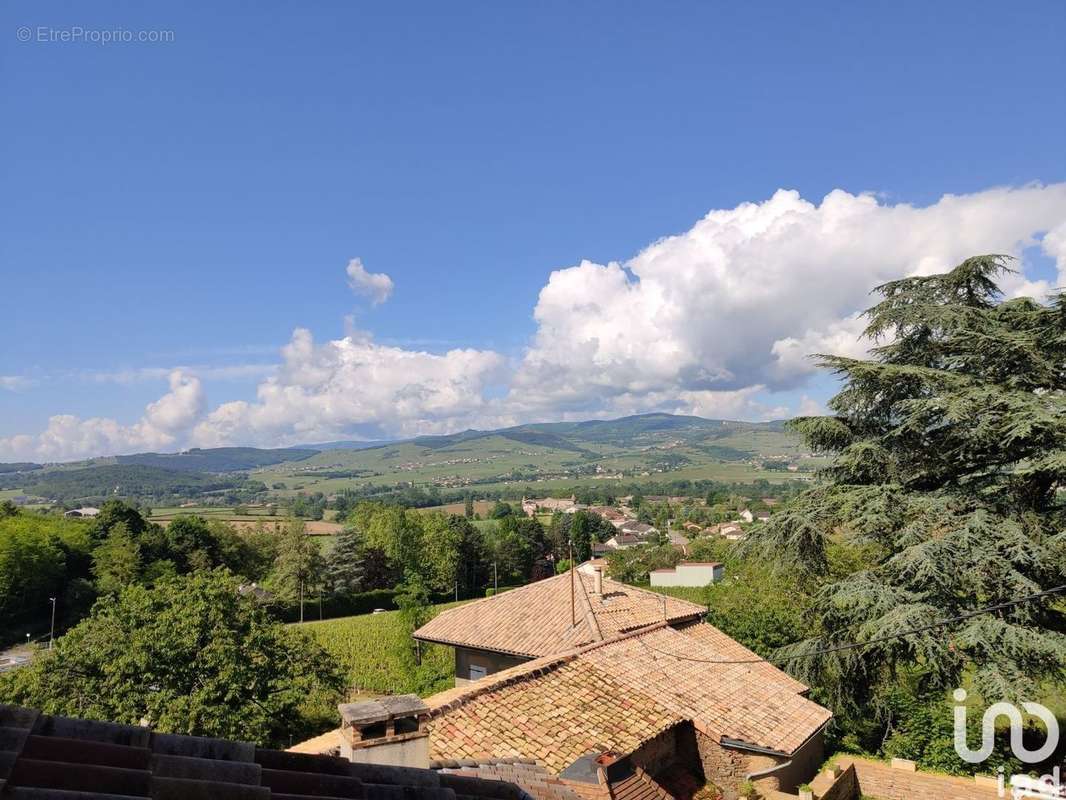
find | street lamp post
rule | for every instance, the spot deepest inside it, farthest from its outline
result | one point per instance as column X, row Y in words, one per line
column 52, row 631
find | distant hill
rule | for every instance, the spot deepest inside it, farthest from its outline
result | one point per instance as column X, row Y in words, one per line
column 18, row 466
column 644, row 448
column 124, row 480
column 621, row 432
column 216, row 459
column 344, row 444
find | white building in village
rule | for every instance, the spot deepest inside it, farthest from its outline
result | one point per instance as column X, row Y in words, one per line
column 693, row 573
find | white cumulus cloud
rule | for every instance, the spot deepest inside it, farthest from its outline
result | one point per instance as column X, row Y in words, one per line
column 376, row 285
column 67, row 437
column 329, row 390
column 740, row 299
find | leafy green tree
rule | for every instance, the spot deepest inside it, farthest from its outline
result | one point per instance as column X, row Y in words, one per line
column 583, row 528
column 42, row 557
column 413, row 600
column 254, row 557
column 113, row 512
column 761, row 608
column 116, row 560
column 516, row 545
column 191, row 544
column 468, row 507
column 633, row 564
column 188, row 656
column 298, row 566
column 395, row 532
column 500, row 510
column 949, row 445
column 453, row 554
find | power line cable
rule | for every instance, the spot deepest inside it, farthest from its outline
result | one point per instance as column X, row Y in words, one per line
column 877, row 640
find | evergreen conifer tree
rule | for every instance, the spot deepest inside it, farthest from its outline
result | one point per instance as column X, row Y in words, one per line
column 949, row 459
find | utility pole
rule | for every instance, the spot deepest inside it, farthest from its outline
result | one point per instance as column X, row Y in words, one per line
column 495, row 579
column 52, row 632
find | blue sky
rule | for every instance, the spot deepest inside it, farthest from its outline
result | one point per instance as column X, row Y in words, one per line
column 191, row 203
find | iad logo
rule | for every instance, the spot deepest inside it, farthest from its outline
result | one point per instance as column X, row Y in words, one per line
column 1017, row 727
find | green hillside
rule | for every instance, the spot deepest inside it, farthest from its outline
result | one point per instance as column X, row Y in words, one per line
column 648, row 447
column 216, row 459
column 546, row 457
column 124, row 480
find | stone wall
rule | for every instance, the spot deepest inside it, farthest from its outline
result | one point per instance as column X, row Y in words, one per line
column 662, row 751
column 723, row 767
column 800, row 769
column 842, row 786
column 897, row 781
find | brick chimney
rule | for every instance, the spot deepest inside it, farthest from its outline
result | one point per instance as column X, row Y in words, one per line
column 387, row 730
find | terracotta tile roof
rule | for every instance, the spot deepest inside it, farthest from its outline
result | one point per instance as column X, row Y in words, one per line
column 617, row 694
column 59, row 758
column 726, row 648
column 573, row 709
column 638, row 786
column 535, row 620
column 753, row 703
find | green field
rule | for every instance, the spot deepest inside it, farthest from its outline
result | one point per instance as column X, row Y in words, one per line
column 375, row 652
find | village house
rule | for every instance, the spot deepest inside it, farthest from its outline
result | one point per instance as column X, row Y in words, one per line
column 86, row 511
column 530, row 507
column 611, row 514
column 546, row 617
column 658, row 698
column 607, row 700
column 729, row 530
column 640, row 529
column 620, row 541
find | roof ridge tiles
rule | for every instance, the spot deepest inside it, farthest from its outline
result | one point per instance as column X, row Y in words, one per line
column 590, row 615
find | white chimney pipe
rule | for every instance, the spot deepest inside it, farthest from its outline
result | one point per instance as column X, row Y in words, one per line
column 597, row 580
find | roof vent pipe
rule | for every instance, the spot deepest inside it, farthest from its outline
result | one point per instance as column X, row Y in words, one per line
column 597, row 580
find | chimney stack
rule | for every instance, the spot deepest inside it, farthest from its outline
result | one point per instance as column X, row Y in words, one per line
column 597, row 579
column 388, row 730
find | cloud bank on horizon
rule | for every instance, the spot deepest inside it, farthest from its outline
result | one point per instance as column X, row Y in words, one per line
column 708, row 322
